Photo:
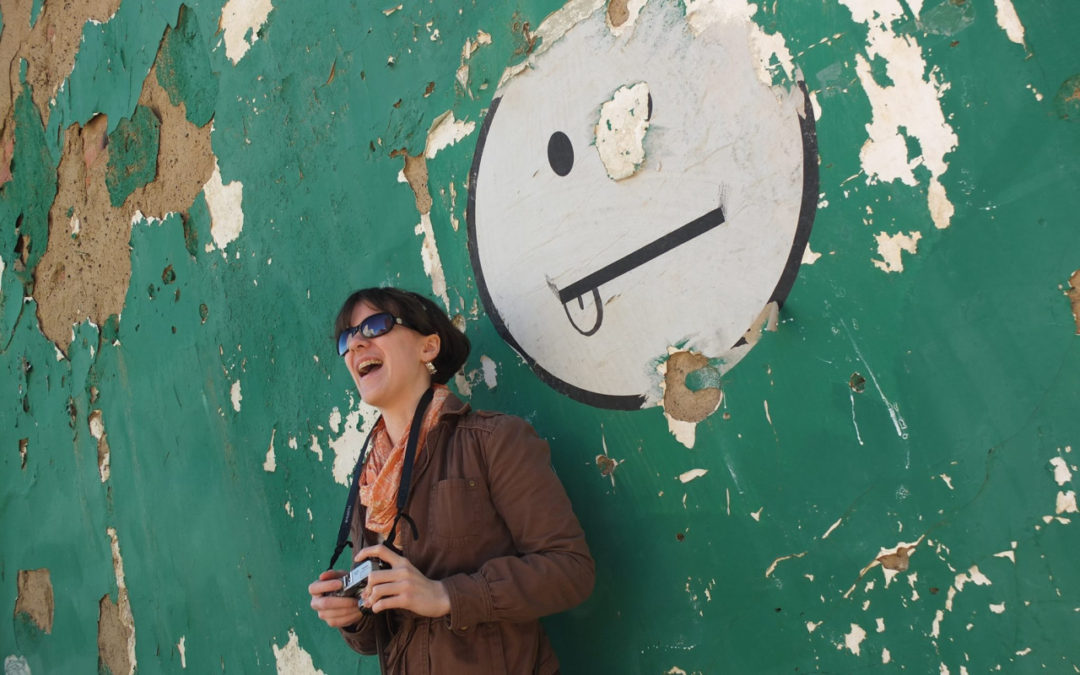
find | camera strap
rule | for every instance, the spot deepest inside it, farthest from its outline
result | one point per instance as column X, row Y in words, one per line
column 403, row 486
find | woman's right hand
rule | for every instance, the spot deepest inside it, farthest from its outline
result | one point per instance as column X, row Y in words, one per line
column 336, row 611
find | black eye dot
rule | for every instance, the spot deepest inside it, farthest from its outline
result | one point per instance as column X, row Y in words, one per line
column 560, row 153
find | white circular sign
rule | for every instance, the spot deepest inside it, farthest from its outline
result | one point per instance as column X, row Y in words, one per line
column 632, row 193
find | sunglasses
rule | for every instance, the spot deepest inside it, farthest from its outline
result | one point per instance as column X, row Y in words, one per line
column 371, row 327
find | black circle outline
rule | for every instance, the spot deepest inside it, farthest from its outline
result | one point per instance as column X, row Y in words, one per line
column 807, row 211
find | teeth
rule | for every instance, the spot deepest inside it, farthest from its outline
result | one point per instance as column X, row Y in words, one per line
column 367, row 365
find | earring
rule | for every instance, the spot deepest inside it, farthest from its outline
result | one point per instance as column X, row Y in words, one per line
column 430, row 367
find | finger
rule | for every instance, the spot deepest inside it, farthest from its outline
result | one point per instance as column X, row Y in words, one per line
column 321, row 587
column 381, row 552
column 323, row 602
column 332, row 574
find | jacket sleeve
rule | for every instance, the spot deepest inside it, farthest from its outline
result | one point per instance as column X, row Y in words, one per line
column 361, row 636
column 553, row 570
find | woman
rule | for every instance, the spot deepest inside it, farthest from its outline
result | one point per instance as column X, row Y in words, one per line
column 475, row 532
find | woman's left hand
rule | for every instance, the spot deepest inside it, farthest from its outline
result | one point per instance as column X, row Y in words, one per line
column 402, row 586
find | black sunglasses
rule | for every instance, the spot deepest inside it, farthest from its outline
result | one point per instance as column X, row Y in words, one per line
column 371, row 327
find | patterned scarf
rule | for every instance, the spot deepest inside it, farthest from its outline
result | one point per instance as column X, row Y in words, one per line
column 381, row 477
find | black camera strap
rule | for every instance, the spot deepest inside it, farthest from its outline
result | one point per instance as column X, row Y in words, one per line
column 403, row 486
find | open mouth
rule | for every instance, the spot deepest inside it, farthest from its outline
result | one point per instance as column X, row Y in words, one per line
column 368, row 366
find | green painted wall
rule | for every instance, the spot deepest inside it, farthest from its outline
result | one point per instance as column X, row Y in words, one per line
column 919, row 417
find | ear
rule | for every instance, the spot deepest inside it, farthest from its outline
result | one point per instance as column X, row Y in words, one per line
column 430, row 346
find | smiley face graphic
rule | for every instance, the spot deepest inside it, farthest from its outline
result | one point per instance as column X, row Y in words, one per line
column 634, row 192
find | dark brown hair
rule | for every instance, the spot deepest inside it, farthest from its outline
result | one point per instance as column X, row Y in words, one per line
column 420, row 314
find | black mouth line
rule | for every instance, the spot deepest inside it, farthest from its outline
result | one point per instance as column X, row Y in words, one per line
column 590, row 284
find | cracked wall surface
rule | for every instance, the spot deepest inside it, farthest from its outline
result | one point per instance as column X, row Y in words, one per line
column 850, row 447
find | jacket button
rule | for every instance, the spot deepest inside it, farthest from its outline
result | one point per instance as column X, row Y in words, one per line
column 472, row 483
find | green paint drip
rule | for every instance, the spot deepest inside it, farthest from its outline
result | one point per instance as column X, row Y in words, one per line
column 183, row 69
column 133, row 150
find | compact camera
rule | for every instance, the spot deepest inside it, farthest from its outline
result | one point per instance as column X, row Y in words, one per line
column 357, row 579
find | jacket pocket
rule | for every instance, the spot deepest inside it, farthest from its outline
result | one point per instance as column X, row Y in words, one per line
column 455, row 509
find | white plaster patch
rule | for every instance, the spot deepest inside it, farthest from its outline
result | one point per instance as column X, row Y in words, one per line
column 2, row 281
column 289, row 509
column 429, row 255
column 974, row 576
column 885, row 655
column 880, row 621
column 347, row 446
column 292, row 659
column 446, row 131
column 911, row 105
column 224, row 202
column 756, row 515
column 237, row 18
column 316, row 448
column 690, row 475
column 1011, row 555
column 235, row 396
column 182, row 648
column 1066, row 502
column 812, row 626
column 889, row 248
column 621, row 129
column 853, row 639
column 16, row 665
column 1062, row 474
column 809, row 257
column 948, row 481
column 998, row 609
column 935, row 627
column 491, row 378
column 270, row 463
column 335, row 420
column 123, row 601
column 1009, row 21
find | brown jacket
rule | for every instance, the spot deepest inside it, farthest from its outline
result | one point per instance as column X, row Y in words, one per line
column 497, row 528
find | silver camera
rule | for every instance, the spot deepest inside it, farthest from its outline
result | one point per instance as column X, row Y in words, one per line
column 357, row 579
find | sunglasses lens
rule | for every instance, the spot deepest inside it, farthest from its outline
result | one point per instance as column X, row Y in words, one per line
column 376, row 325
column 343, row 341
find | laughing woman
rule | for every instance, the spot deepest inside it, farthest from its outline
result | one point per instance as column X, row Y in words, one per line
column 475, row 533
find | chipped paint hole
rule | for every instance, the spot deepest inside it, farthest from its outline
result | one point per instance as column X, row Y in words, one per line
column 430, row 88
column 151, row 291
column 560, row 153
column 204, row 311
column 24, row 444
column 679, row 536
column 607, row 465
column 168, row 275
column 857, row 383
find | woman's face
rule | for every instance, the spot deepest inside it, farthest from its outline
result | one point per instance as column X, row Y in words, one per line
column 389, row 369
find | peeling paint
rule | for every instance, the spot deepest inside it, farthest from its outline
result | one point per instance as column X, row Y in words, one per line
column 620, row 131
column 292, row 659
column 680, row 402
column 97, row 431
column 35, row 598
column 240, row 18
column 429, row 255
column 692, row 474
column 831, row 528
column 1074, row 297
column 1009, row 21
column 1062, row 474
column 316, row 448
column 998, row 609
column 358, row 424
column 488, row 366
column 853, row 639
column 116, row 625
column 270, row 463
column 1066, row 502
column 235, row 396
column 225, row 201
column 182, row 648
column 910, row 106
column 772, row 567
column 446, row 131
column 890, row 246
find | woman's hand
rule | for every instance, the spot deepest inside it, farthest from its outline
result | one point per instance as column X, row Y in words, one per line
column 337, row 612
column 402, row 586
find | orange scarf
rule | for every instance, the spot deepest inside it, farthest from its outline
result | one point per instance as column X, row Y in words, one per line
column 381, row 477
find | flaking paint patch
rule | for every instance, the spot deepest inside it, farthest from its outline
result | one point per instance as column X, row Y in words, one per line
column 853, row 639
column 35, row 597
column 620, row 130
column 692, row 474
column 622, row 14
column 769, row 52
column 680, row 402
column 235, row 396
column 467, row 50
column 491, row 377
column 890, row 247
column 1066, row 503
column 910, row 106
column 772, row 567
column 429, row 256
column 16, row 665
column 116, row 625
column 446, row 131
column 97, row 431
column 1009, row 21
column 358, row 424
column 182, row 648
column 292, row 659
column 893, row 561
column 238, row 17
column 1073, row 293
column 1062, row 474
column 551, row 30
column 270, row 463
column 225, row 202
